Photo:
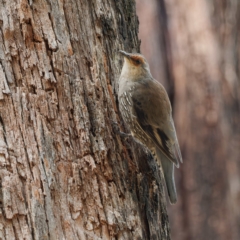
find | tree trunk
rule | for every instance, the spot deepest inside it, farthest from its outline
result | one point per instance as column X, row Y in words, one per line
column 203, row 58
column 65, row 174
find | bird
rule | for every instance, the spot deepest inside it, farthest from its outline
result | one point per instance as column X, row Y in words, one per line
column 146, row 109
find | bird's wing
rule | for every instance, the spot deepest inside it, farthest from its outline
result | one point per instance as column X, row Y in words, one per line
column 149, row 111
column 169, row 146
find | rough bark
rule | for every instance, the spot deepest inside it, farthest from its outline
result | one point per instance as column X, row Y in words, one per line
column 204, row 62
column 65, row 174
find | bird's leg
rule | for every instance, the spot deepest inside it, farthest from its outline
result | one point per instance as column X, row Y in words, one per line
column 123, row 135
column 117, row 130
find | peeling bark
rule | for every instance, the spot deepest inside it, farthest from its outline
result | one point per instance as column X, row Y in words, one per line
column 65, row 174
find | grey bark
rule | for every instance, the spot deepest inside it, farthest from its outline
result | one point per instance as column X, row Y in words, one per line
column 65, row 174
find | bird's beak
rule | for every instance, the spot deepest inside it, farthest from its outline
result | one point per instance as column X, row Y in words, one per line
column 125, row 54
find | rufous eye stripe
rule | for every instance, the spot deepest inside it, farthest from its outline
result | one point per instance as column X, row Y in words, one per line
column 137, row 58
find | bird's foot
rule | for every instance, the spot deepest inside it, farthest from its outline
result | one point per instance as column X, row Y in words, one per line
column 124, row 136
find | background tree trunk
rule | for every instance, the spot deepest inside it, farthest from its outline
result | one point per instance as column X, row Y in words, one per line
column 202, row 51
column 64, row 173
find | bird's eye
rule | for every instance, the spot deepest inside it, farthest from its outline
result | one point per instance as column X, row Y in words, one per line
column 138, row 61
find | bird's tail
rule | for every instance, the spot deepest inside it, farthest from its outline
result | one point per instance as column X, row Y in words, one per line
column 168, row 171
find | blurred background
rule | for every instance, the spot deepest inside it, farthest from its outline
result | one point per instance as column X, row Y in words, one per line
column 193, row 48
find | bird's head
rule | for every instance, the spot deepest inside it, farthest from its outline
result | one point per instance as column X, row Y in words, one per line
column 135, row 66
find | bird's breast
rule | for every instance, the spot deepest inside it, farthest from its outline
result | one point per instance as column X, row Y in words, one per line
column 129, row 116
column 125, row 105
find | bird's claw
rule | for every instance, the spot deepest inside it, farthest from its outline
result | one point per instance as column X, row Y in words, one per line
column 123, row 135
